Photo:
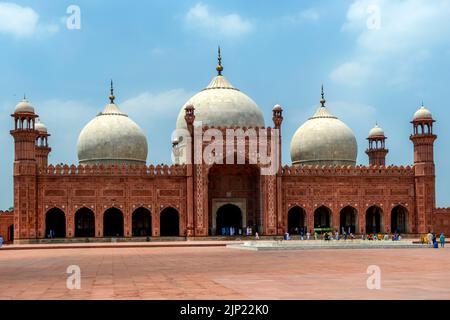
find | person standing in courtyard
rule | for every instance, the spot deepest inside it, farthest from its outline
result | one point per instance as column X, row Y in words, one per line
column 442, row 240
column 1, row 241
column 430, row 239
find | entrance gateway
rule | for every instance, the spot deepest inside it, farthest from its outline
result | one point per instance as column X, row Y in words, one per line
column 225, row 214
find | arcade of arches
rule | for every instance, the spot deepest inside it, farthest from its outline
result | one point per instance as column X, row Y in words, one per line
column 227, row 216
column 113, row 223
column 349, row 218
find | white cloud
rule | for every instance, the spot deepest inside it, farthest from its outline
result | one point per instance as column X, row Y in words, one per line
column 310, row 14
column 164, row 104
column 408, row 33
column 352, row 74
column 22, row 21
column 229, row 25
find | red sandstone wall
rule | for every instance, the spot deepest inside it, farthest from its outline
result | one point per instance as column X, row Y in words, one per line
column 6, row 220
column 71, row 188
column 442, row 221
column 359, row 187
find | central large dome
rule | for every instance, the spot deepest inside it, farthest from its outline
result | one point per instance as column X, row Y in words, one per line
column 324, row 140
column 222, row 105
column 112, row 138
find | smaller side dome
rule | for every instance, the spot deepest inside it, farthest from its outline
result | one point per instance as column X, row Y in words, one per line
column 376, row 131
column 24, row 106
column 422, row 114
column 277, row 107
column 39, row 126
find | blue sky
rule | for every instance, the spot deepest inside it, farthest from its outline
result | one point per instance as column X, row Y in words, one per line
column 377, row 59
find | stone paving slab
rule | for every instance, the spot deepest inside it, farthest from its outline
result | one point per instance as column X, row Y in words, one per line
column 221, row 273
column 322, row 244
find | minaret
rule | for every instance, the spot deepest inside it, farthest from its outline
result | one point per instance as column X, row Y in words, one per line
column 42, row 148
column 189, row 117
column 377, row 147
column 423, row 140
column 24, row 172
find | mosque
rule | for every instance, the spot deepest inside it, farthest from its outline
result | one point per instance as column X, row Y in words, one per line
column 114, row 192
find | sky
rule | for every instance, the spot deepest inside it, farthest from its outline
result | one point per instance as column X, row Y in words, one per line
column 377, row 59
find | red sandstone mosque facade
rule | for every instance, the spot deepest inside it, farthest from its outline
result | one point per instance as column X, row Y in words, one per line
column 112, row 192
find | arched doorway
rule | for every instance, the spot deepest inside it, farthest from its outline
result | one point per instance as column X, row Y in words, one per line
column 55, row 223
column 113, row 223
column 349, row 220
column 228, row 216
column 399, row 219
column 374, row 220
column 84, row 223
column 11, row 233
column 322, row 217
column 141, row 223
column 296, row 220
column 169, row 223
column 237, row 184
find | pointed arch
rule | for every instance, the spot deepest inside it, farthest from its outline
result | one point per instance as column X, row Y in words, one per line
column 141, row 222
column 55, row 223
column 84, row 223
column 169, row 222
column 113, row 223
column 399, row 219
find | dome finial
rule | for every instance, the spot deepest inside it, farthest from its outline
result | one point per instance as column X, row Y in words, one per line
column 322, row 101
column 112, row 97
column 219, row 67
column 24, row 96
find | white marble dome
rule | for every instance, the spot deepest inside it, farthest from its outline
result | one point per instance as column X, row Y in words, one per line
column 222, row 105
column 112, row 138
column 422, row 113
column 39, row 126
column 24, row 106
column 323, row 140
column 376, row 131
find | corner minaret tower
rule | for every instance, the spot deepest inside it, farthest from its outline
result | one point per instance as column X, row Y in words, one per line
column 423, row 140
column 25, row 165
column 377, row 147
column 42, row 148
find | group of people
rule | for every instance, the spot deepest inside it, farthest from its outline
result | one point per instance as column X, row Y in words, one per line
column 337, row 236
column 378, row 237
column 431, row 239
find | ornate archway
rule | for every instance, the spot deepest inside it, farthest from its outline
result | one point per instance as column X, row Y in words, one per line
column 113, row 223
column 228, row 216
column 11, row 233
column 237, row 184
column 399, row 219
column 169, row 222
column 322, row 217
column 348, row 220
column 55, row 223
column 141, row 222
column 374, row 220
column 84, row 223
column 296, row 220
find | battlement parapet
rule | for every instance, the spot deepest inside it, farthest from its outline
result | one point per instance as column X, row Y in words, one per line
column 442, row 211
column 158, row 170
column 313, row 170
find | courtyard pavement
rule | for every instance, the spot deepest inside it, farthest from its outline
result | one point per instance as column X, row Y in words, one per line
column 222, row 273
